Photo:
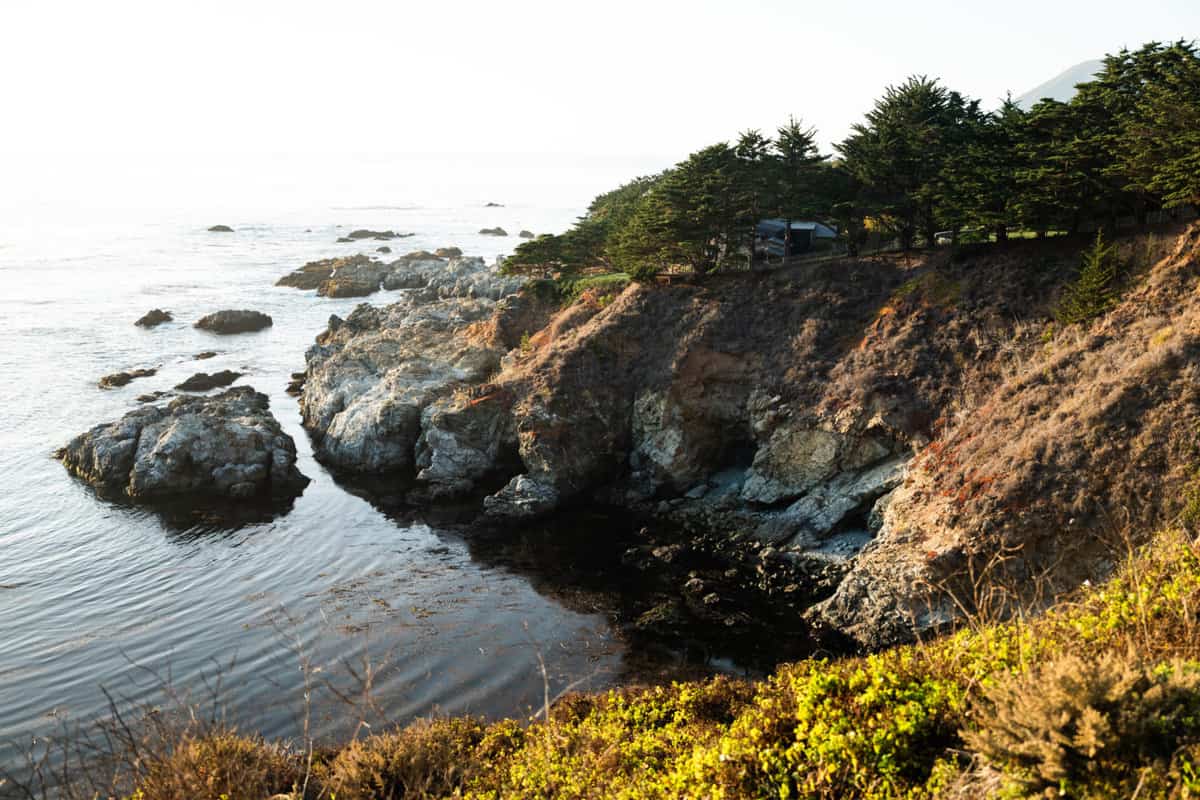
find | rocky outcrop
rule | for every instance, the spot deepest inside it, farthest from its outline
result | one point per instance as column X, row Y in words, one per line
column 204, row 381
column 363, row 233
column 891, row 428
column 153, row 318
column 227, row 446
column 118, row 379
column 220, row 229
column 370, row 377
column 373, row 377
column 351, row 276
column 234, row 321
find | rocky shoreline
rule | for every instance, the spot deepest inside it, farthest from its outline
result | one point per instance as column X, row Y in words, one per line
column 791, row 442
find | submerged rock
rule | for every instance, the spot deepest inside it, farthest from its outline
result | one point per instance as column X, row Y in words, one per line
column 227, row 446
column 118, row 379
column 234, row 321
column 203, row 381
column 154, row 317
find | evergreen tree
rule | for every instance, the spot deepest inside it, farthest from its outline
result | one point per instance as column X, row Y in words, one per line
column 900, row 152
column 797, row 185
column 1095, row 290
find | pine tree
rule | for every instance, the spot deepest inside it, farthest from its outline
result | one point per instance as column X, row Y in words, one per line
column 1095, row 290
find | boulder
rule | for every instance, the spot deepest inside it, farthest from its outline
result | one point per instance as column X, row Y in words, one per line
column 234, row 321
column 497, row 231
column 154, row 317
column 118, row 379
column 203, row 381
column 385, row 249
column 220, row 229
column 227, row 446
column 524, row 234
column 448, row 252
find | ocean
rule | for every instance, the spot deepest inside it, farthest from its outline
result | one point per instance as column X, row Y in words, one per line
column 102, row 600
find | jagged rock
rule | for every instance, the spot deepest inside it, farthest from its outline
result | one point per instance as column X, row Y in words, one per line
column 462, row 442
column 497, row 231
column 821, row 509
column 234, row 321
column 118, row 379
column 154, row 317
column 412, row 270
column 225, row 446
column 220, row 229
column 370, row 377
column 523, row 498
column 203, row 381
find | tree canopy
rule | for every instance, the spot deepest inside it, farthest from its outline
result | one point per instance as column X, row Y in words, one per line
column 925, row 162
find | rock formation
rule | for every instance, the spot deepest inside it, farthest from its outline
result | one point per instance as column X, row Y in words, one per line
column 204, row 381
column 234, row 321
column 154, row 317
column 118, row 379
column 227, row 446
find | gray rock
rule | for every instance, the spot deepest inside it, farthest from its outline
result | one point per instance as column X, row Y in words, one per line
column 225, row 446
column 153, row 318
column 234, row 321
column 523, row 498
column 203, row 381
column 371, row 376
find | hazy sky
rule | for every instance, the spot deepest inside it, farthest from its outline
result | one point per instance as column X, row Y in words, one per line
column 613, row 77
column 120, row 105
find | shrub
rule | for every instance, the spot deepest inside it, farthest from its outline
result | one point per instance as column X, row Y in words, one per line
column 1077, row 723
column 431, row 758
column 216, row 766
column 1095, row 290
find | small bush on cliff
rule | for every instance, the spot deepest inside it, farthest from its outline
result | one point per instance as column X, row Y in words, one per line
column 1095, row 290
column 1079, row 721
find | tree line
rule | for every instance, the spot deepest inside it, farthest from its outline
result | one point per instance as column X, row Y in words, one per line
column 924, row 161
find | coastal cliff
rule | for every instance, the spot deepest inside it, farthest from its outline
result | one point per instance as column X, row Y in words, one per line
column 902, row 422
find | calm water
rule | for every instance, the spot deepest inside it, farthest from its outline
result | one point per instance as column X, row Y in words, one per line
column 96, row 595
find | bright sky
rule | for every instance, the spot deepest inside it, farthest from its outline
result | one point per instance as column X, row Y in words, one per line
column 612, row 78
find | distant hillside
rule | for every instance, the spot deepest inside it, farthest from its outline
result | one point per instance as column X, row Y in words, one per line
column 1062, row 87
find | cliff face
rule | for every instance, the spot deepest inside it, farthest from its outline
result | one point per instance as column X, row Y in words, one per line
column 899, row 425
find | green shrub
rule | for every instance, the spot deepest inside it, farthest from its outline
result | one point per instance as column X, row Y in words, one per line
column 1095, row 290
